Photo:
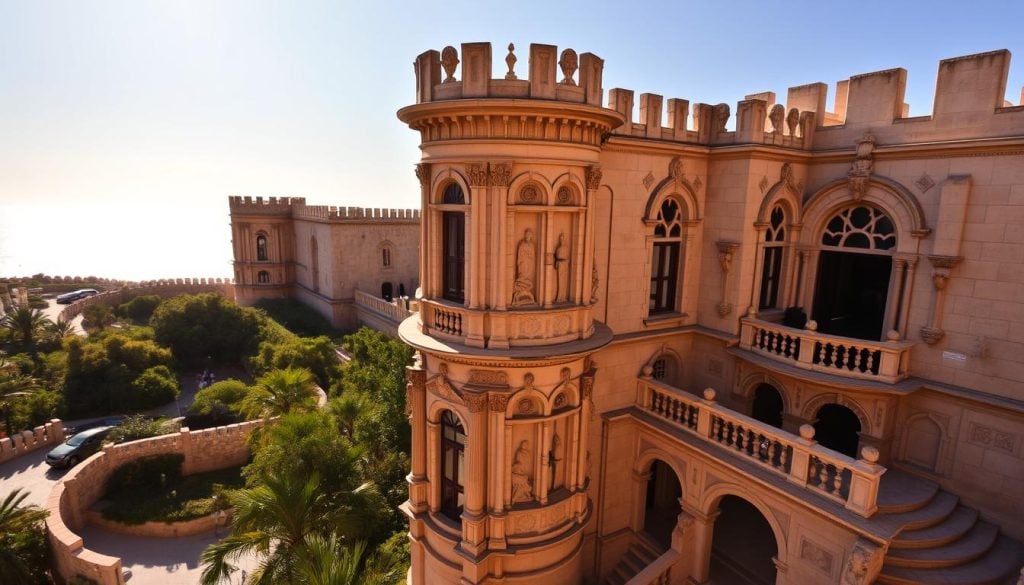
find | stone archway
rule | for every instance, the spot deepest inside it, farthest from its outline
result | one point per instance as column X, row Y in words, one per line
column 838, row 428
column 661, row 503
column 743, row 545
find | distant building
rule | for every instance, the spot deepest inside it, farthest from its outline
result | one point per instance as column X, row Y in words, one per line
column 785, row 353
column 323, row 256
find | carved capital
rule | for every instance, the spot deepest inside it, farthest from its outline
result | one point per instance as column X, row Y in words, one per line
column 423, row 174
column 726, row 249
column 477, row 173
column 593, row 177
column 476, row 402
column 498, row 402
column 945, row 262
column 501, row 174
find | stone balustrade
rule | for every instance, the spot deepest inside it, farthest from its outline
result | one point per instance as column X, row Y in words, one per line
column 658, row 572
column 504, row 329
column 852, row 483
column 393, row 311
column 883, row 361
column 18, row 444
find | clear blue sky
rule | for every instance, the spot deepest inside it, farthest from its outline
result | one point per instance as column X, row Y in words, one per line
column 125, row 125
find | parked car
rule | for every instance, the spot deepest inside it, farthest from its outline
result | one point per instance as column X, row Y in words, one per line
column 77, row 448
column 68, row 298
column 109, row 421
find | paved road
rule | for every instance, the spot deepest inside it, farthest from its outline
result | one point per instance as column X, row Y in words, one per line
column 31, row 474
column 52, row 312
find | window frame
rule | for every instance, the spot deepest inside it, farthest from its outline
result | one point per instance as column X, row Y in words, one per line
column 452, row 489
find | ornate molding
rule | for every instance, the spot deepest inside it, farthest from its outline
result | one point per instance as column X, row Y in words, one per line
column 593, row 177
column 476, row 402
column 944, row 262
column 498, row 402
column 488, row 378
column 501, row 174
column 423, row 174
column 477, row 173
column 860, row 170
column 726, row 249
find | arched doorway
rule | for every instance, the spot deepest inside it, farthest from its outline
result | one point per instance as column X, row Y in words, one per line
column 854, row 270
column 767, row 406
column 838, row 428
column 743, row 546
column 385, row 291
column 661, row 505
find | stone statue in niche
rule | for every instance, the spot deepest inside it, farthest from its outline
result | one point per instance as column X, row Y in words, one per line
column 522, row 485
column 555, row 457
column 526, row 271
column 562, row 270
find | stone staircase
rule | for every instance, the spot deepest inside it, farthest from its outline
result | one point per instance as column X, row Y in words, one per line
column 642, row 552
column 940, row 540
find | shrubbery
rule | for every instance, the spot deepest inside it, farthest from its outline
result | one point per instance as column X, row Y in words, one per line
column 146, row 473
column 206, row 327
column 155, row 386
column 139, row 309
column 297, row 317
column 217, row 405
column 316, row 354
column 139, row 427
column 101, row 372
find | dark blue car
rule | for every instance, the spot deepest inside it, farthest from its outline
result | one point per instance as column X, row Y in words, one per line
column 78, row 448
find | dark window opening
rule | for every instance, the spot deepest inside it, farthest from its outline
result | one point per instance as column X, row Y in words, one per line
column 664, row 276
column 261, row 248
column 453, row 464
column 454, row 255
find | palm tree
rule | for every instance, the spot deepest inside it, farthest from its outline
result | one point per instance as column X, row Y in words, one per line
column 16, row 521
column 346, row 410
column 25, row 323
column 13, row 385
column 280, row 392
column 60, row 328
column 327, row 561
column 280, row 522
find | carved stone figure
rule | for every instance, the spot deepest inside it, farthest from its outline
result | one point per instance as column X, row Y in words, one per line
column 526, row 271
column 776, row 116
column 793, row 120
column 721, row 118
column 449, row 60
column 562, row 270
column 569, row 63
column 555, row 458
column 522, row 483
column 862, row 167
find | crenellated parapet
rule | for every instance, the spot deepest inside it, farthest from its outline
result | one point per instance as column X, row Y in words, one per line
column 263, row 206
column 355, row 214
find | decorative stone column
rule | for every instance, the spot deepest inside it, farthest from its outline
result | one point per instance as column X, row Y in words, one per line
column 474, row 516
column 726, row 249
column 416, row 408
column 703, row 530
column 942, row 265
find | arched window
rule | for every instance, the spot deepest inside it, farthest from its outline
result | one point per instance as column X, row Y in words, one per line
column 453, row 245
column 261, row 248
column 665, row 369
column 263, row 277
column 668, row 237
column 385, row 257
column 453, row 465
column 854, row 273
column 771, row 266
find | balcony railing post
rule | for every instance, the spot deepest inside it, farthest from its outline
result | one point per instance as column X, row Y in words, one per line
column 704, row 414
column 889, row 368
column 746, row 335
column 864, row 479
column 801, row 460
column 643, row 394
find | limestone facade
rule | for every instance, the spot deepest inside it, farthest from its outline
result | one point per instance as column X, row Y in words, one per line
column 634, row 338
column 322, row 255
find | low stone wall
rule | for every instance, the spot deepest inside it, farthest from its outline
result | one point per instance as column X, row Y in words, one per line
column 52, row 433
column 158, row 529
column 161, row 288
column 204, row 450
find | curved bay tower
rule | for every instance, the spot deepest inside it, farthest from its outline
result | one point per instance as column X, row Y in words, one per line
column 776, row 345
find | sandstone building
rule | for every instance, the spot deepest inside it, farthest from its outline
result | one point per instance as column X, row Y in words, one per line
column 674, row 352
column 326, row 257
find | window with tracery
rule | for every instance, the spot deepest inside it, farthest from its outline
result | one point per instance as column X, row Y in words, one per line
column 771, row 265
column 261, row 248
column 861, row 227
column 385, row 259
column 659, row 369
column 453, row 465
column 263, row 277
column 668, row 232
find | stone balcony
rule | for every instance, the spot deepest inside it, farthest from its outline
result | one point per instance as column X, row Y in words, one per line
column 880, row 361
column 482, row 328
column 851, row 483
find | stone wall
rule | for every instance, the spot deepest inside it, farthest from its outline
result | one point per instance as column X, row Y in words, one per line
column 70, row 499
column 52, row 433
column 162, row 288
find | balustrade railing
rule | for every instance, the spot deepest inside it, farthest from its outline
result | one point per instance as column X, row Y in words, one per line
column 390, row 310
column 659, row 571
column 851, row 482
column 885, row 361
column 444, row 319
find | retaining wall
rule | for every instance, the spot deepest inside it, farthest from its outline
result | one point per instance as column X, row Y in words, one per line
column 204, row 450
column 51, row 433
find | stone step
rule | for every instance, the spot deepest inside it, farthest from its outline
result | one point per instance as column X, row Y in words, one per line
column 634, row 562
column 997, row 567
column 936, row 511
column 959, row 522
column 900, row 492
column 978, row 541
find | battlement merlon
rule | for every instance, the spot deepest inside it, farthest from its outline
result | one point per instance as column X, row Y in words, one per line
column 477, row 82
column 263, row 206
column 296, row 208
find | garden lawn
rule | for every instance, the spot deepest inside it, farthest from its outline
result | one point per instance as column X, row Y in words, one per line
column 192, row 497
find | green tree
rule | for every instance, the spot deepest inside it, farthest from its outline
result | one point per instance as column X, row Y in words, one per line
column 23, row 548
column 153, row 387
column 100, row 371
column 277, row 520
column 98, row 316
column 317, row 354
column 224, row 396
column 207, row 326
column 60, row 329
column 15, row 388
column 26, row 324
column 139, row 309
column 280, row 392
